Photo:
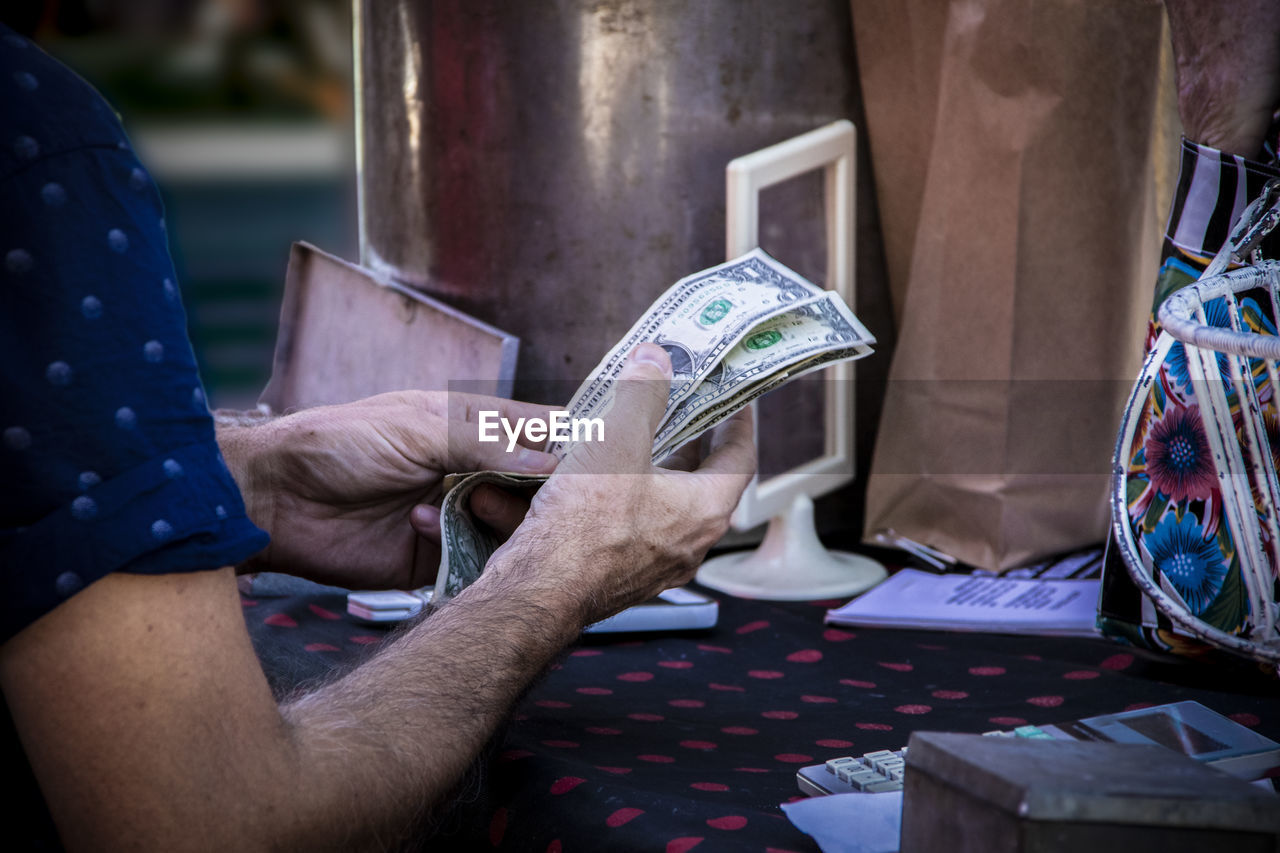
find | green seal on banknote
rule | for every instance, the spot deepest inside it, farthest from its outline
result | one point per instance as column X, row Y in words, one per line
column 763, row 340
column 715, row 311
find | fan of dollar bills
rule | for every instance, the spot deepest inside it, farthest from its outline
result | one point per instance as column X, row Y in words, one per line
column 734, row 332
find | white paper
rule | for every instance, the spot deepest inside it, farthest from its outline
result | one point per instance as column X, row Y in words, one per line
column 955, row 602
column 850, row 823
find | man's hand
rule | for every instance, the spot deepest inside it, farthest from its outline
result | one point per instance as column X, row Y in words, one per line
column 149, row 724
column 1227, row 61
column 346, row 490
column 609, row 529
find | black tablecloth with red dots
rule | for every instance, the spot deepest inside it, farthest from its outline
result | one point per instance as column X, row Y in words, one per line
column 691, row 741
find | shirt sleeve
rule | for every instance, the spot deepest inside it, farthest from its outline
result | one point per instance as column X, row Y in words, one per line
column 1213, row 189
column 107, row 449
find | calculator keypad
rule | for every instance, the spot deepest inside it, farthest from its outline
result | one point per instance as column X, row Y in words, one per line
column 872, row 773
column 883, row 769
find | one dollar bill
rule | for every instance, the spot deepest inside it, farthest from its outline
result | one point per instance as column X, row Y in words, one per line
column 734, row 332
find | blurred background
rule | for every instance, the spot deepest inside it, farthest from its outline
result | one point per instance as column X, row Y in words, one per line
column 242, row 111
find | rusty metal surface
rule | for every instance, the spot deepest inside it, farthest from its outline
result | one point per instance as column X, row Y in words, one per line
column 552, row 167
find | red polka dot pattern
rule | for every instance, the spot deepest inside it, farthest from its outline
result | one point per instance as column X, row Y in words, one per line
column 697, row 744
column 645, row 744
column 622, row 817
column 565, row 784
column 636, row 676
column 805, row 656
column 497, row 827
column 645, row 718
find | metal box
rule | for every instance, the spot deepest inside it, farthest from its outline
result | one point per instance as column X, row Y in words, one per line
column 975, row 794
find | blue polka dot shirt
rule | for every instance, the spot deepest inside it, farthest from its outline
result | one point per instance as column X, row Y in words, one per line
column 108, row 461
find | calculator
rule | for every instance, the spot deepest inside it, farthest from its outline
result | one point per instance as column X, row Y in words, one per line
column 676, row 609
column 1186, row 727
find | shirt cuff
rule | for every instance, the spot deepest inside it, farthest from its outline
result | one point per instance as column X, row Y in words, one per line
column 1212, row 191
column 180, row 513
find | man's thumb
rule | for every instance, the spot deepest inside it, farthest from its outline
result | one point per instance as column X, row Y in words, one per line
column 644, row 386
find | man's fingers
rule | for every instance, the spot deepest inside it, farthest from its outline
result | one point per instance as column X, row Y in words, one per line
column 501, row 510
column 733, row 452
column 468, row 408
column 446, row 441
column 684, row 459
column 425, row 521
column 640, row 399
column 470, row 449
column 426, row 563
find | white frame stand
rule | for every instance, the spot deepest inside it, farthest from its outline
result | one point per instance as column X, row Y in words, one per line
column 791, row 564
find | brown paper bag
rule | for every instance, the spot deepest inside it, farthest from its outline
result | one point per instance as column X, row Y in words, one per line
column 1014, row 147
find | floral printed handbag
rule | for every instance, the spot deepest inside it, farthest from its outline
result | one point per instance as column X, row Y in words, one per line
column 1196, row 538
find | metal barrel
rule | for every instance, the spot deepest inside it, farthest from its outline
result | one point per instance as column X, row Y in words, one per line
column 551, row 167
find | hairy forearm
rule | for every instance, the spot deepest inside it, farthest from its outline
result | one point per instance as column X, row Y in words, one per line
column 244, row 439
column 1227, row 63
column 244, row 442
column 150, row 725
column 393, row 737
